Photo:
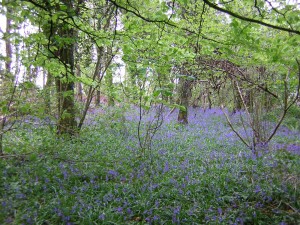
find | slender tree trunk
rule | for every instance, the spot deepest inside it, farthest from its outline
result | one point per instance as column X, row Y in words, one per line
column 79, row 84
column 8, row 69
column 47, row 91
column 91, row 91
column 184, row 95
column 209, row 98
column 236, row 98
column 131, row 73
column 97, row 98
column 249, row 100
column 110, row 87
column 99, row 70
column 8, row 46
column 172, row 99
column 108, row 12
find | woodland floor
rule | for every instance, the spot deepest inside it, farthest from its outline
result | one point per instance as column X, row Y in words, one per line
column 195, row 174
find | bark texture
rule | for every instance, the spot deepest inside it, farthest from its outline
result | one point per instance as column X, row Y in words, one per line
column 65, row 83
column 185, row 93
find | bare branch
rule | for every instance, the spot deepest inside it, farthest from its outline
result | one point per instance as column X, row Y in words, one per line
column 136, row 13
column 258, row 9
column 212, row 5
column 286, row 106
column 232, row 128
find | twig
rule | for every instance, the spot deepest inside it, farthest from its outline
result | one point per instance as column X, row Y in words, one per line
column 233, row 129
column 15, row 155
column 215, row 6
column 77, row 161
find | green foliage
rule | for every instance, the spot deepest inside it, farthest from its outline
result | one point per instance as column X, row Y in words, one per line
column 292, row 120
column 193, row 174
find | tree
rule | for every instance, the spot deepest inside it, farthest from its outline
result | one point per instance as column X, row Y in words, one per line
column 7, row 79
column 65, row 83
column 185, row 92
column 63, row 25
column 195, row 39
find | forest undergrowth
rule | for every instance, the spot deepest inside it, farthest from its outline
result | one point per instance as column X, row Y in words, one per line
column 195, row 174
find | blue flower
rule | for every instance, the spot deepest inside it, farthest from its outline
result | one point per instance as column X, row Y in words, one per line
column 101, row 216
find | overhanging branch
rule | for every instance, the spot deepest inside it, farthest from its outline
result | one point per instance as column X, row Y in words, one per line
column 141, row 16
column 212, row 5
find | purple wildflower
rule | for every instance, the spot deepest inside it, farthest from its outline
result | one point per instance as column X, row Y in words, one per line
column 101, row 216
column 166, row 168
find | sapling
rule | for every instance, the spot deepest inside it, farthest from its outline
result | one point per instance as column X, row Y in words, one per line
column 259, row 137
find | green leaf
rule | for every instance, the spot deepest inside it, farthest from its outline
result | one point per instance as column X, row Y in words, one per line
column 28, row 85
column 160, row 16
column 63, row 7
column 25, row 108
column 183, row 2
column 182, row 108
column 156, row 93
column 67, row 94
column 4, row 109
column 65, row 115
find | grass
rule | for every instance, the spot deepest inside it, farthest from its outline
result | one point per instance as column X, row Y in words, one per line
column 198, row 174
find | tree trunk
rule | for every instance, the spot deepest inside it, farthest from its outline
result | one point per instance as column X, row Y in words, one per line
column 97, row 99
column 110, row 87
column 209, row 98
column 249, row 99
column 8, row 47
column 172, row 98
column 47, row 91
column 8, row 62
column 185, row 93
column 65, row 84
column 237, row 101
column 79, row 84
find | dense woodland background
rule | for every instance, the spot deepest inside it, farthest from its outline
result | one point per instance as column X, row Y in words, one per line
column 156, row 85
